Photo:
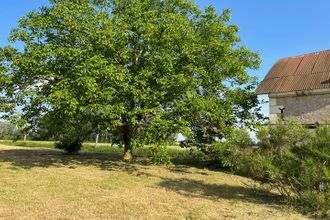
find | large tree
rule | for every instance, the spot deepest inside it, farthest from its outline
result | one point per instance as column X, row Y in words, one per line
column 144, row 69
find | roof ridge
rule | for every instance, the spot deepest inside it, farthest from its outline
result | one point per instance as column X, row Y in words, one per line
column 302, row 55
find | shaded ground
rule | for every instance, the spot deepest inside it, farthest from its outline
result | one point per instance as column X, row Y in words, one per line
column 45, row 184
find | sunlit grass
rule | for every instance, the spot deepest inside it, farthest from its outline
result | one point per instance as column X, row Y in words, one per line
column 44, row 183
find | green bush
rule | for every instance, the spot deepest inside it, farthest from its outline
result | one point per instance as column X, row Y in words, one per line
column 230, row 153
column 282, row 137
column 71, row 146
column 226, row 155
column 296, row 162
column 240, row 139
column 288, row 157
column 159, row 155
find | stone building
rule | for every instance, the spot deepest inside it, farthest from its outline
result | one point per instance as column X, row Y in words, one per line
column 299, row 88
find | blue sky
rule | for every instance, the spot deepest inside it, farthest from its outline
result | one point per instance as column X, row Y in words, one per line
column 274, row 28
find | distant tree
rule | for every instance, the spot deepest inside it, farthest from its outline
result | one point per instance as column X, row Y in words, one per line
column 7, row 131
column 143, row 69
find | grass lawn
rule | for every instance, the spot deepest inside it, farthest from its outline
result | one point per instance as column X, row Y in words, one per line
column 38, row 183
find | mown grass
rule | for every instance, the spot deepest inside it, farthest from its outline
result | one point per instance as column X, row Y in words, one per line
column 41, row 183
column 33, row 144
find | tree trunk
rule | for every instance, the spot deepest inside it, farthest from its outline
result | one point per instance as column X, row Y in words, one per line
column 127, row 157
column 97, row 139
column 24, row 138
column 126, row 137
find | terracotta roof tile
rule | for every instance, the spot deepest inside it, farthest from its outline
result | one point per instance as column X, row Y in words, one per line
column 298, row 73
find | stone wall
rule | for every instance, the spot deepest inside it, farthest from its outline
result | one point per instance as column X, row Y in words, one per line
column 308, row 109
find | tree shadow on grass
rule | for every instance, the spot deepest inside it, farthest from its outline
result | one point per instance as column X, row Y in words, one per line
column 30, row 158
column 200, row 189
column 233, row 193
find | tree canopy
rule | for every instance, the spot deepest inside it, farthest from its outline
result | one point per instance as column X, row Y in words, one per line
column 142, row 69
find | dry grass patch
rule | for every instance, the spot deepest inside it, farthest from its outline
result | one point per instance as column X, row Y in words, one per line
column 45, row 184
